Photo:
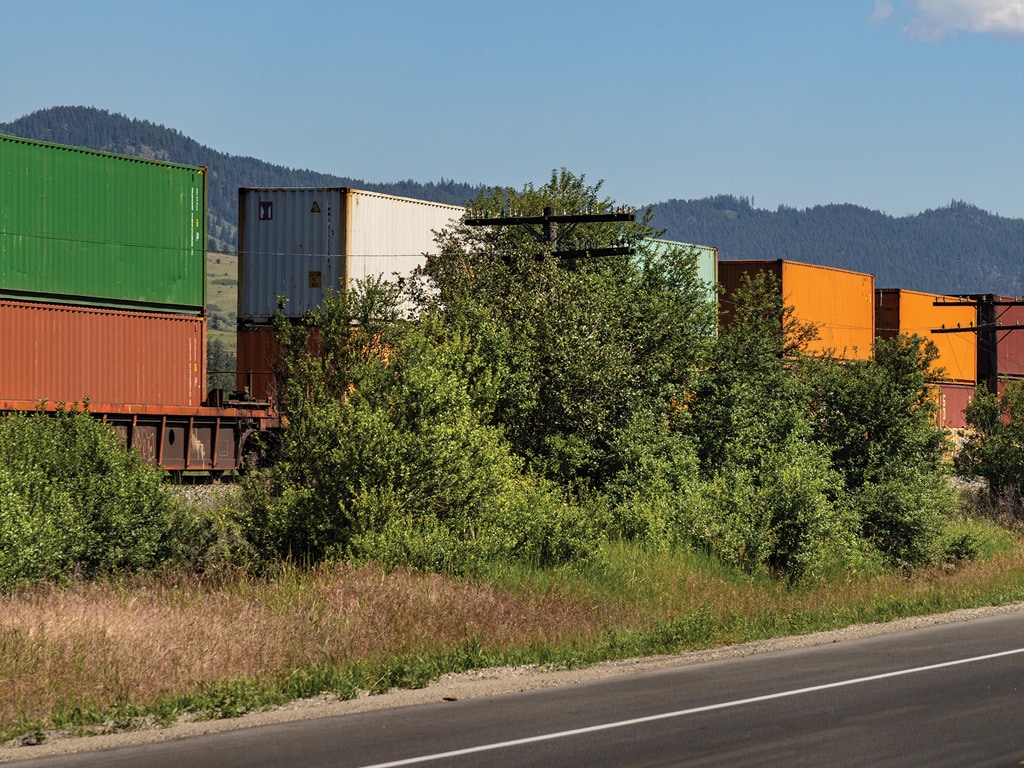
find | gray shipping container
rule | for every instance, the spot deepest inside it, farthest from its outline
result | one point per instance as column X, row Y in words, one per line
column 296, row 243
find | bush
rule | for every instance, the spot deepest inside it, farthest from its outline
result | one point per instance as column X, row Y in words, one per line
column 74, row 500
column 904, row 514
column 386, row 456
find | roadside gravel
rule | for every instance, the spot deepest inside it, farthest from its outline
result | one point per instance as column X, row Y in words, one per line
column 467, row 685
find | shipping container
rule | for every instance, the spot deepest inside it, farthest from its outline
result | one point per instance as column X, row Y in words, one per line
column 259, row 356
column 1008, row 337
column 838, row 302
column 64, row 353
column 294, row 244
column 953, row 398
column 84, row 227
column 911, row 312
column 707, row 262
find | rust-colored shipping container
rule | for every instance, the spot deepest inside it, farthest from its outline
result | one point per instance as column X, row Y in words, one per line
column 840, row 303
column 258, row 357
column 912, row 312
column 1010, row 338
column 953, row 398
column 67, row 353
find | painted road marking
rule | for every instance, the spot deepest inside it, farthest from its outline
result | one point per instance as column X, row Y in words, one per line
column 684, row 712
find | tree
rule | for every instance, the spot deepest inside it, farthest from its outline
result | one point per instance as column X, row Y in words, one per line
column 578, row 346
column 385, row 456
column 995, row 450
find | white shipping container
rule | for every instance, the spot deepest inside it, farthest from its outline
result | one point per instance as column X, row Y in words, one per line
column 296, row 243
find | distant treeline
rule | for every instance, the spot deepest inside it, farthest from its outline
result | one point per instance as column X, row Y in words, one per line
column 955, row 249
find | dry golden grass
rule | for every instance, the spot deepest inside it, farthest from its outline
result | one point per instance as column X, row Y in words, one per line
column 91, row 647
column 138, row 641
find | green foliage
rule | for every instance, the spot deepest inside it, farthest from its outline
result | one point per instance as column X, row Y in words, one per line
column 905, row 513
column 995, row 449
column 578, row 345
column 75, row 501
column 221, row 366
column 812, row 463
column 385, row 456
column 877, row 416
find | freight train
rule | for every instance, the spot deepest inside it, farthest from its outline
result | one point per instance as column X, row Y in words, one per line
column 103, row 290
column 103, row 295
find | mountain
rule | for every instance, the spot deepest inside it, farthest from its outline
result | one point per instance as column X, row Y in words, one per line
column 956, row 249
column 98, row 129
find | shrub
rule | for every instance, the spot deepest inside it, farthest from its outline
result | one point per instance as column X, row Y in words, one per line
column 75, row 500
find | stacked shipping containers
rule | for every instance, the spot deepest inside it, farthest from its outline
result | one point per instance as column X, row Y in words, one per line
column 840, row 303
column 102, row 276
column 927, row 315
column 295, row 244
column 102, row 299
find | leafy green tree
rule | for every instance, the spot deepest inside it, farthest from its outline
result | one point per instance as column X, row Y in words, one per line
column 995, row 450
column 221, row 365
column 385, row 456
column 876, row 418
column 579, row 345
column 767, row 500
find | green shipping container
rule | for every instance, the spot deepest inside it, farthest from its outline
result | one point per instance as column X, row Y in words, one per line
column 84, row 227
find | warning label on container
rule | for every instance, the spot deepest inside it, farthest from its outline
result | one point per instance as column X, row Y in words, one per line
column 315, row 208
column 266, row 210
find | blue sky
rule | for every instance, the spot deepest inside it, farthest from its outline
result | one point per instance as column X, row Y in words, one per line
column 898, row 106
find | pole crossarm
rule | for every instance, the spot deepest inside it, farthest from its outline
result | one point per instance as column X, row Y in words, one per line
column 548, row 233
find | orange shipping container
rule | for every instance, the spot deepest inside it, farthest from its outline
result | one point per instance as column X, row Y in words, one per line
column 911, row 312
column 66, row 353
column 840, row 303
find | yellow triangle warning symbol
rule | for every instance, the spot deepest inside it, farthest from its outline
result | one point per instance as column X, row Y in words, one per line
column 316, row 207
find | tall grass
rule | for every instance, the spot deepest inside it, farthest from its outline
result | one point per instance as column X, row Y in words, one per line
column 221, row 644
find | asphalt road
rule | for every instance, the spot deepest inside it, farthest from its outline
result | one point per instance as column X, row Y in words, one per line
column 947, row 695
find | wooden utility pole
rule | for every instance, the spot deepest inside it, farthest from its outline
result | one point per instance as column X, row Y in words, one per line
column 988, row 329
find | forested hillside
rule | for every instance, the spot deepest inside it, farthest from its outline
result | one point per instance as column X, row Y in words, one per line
column 956, row 249
column 99, row 129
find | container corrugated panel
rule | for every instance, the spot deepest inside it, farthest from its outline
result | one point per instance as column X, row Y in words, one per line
column 1010, row 339
column 387, row 235
column 707, row 262
column 65, row 353
column 290, row 248
column 87, row 227
column 258, row 357
column 295, row 244
column 839, row 302
column 954, row 397
column 911, row 312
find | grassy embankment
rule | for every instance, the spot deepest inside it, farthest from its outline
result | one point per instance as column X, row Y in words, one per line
column 222, row 297
column 83, row 654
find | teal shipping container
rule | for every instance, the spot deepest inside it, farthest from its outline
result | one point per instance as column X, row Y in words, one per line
column 706, row 262
column 92, row 228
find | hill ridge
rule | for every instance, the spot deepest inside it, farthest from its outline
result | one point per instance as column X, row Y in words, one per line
column 954, row 249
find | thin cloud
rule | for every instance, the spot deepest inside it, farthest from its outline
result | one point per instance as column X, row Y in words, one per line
column 933, row 20
column 883, row 10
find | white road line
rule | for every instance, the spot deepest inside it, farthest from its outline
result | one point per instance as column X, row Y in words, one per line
column 683, row 712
